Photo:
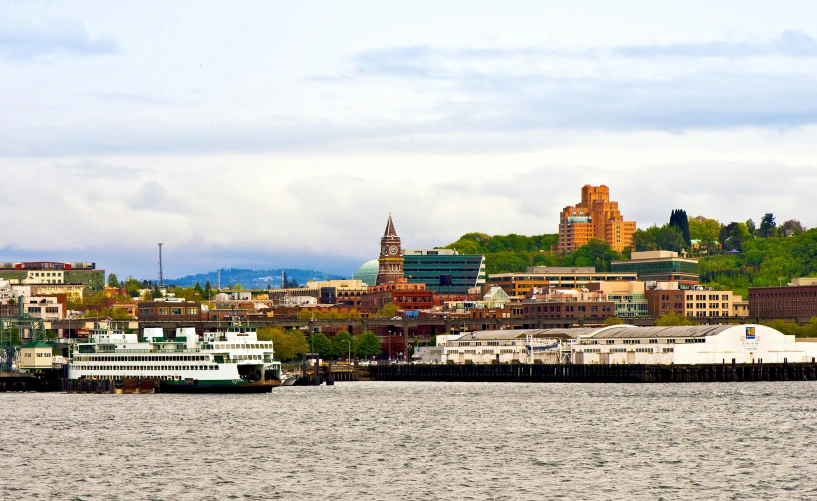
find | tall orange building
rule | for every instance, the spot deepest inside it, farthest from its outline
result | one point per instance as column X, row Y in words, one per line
column 595, row 217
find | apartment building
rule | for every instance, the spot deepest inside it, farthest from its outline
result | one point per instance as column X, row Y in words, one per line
column 596, row 216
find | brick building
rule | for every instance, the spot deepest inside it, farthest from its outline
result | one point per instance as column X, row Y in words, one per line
column 170, row 310
column 798, row 299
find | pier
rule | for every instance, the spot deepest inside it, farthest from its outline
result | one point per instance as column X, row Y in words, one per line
column 543, row 373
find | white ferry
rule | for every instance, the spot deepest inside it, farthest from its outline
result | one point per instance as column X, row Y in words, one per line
column 230, row 360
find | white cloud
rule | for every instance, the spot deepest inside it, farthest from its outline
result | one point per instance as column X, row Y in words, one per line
column 267, row 135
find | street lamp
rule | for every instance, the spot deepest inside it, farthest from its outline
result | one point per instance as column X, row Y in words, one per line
column 780, row 281
column 349, row 346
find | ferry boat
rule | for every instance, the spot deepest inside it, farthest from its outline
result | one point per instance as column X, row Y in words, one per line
column 228, row 360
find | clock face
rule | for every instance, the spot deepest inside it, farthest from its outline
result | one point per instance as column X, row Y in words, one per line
column 393, row 250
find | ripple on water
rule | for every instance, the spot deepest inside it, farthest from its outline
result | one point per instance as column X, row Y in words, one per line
column 417, row 441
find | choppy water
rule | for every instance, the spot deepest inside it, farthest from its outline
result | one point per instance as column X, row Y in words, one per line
column 417, row 441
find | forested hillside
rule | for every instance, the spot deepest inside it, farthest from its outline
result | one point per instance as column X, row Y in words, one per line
column 507, row 253
column 732, row 256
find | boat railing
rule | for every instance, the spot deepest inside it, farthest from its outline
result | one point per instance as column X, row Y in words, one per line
column 139, row 350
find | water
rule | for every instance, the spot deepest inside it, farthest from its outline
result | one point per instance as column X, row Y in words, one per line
column 417, row 441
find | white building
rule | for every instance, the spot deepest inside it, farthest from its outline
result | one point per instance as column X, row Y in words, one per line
column 621, row 344
column 704, row 344
column 502, row 346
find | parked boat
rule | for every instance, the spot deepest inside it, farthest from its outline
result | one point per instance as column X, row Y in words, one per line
column 228, row 360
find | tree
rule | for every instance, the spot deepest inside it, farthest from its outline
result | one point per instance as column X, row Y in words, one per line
column 674, row 319
column 705, row 231
column 343, row 343
column 737, row 235
column 791, row 227
column 612, row 321
column 368, row 345
column 678, row 219
column 643, row 241
column 750, row 225
column 767, row 226
column 207, row 289
column 113, row 281
column 132, row 286
column 119, row 313
column 388, row 310
column 198, row 290
column 286, row 344
column 321, row 344
column 238, row 287
column 147, row 295
column 596, row 253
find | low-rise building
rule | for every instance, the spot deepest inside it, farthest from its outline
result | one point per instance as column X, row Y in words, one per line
column 47, row 308
column 496, row 346
column 36, row 355
column 569, row 304
column 404, row 295
column 797, row 299
column 520, row 284
column 699, row 301
column 176, row 310
column 628, row 297
column 659, row 266
column 705, row 344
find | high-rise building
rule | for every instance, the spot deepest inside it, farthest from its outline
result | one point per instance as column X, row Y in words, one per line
column 594, row 217
column 391, row 257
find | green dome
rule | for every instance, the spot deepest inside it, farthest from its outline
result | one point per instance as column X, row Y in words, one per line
column 368, row 272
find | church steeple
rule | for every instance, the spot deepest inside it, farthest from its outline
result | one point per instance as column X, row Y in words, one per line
column 391, row 256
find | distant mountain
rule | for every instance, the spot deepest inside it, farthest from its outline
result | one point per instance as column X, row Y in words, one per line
column 252, row 279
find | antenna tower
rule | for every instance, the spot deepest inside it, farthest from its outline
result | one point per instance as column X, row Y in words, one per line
column 161, row 268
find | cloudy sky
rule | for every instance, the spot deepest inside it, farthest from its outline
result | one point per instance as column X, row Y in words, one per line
column 267, row 134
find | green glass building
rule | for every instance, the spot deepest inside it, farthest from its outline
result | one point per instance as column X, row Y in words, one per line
column 443, row 270
column 660, row 266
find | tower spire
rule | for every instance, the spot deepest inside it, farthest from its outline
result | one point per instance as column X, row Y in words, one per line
column 390, row 231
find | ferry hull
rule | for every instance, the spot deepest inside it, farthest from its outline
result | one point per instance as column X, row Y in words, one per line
column 204, row 387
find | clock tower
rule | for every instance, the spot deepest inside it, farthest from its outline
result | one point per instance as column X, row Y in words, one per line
column 391, row 257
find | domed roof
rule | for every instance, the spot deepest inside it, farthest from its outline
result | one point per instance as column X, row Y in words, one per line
column 368, row 272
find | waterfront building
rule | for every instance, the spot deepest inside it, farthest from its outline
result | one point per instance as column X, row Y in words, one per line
column 520, row 284
column 622, row 344
column 390, row 269
column 596, row 216
column 704, row 344
column 444, row 270
column 797, row 299
column 660, row 266
column 495, row 346
column 36, row 355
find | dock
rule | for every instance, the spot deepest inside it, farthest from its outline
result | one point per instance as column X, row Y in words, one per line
column 544, row 373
